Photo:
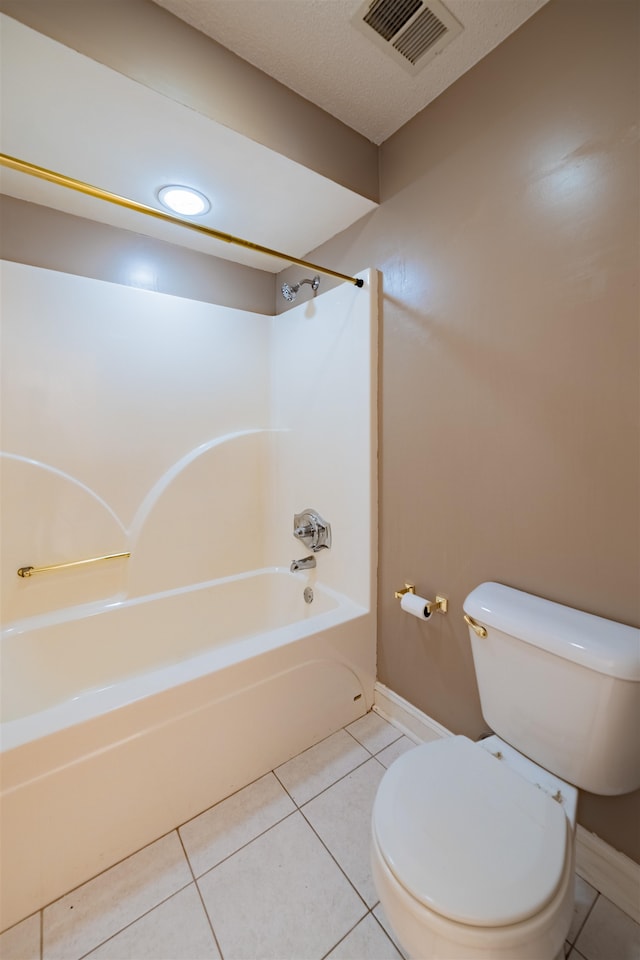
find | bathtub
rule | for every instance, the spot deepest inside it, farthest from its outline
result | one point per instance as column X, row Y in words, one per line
column 123, row 720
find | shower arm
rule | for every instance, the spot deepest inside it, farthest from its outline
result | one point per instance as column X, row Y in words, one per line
column 23, row 166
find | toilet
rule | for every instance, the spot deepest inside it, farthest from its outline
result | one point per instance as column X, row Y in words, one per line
column 473, row 843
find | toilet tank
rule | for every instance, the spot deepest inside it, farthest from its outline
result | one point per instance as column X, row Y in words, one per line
column 560, row 685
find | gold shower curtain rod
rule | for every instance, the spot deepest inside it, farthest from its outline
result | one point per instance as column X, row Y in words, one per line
column 22, row 166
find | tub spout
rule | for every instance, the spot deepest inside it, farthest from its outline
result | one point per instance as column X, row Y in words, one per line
column 305, row 564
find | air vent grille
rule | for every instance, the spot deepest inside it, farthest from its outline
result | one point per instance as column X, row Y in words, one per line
column 422, row 34
column 412, row 32
column 387, row 17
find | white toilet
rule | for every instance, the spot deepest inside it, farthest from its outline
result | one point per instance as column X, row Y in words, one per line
column 473, row 843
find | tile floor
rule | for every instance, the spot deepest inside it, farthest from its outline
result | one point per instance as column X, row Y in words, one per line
column 278, row 870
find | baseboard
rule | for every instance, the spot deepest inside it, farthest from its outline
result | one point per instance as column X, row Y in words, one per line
column 612, row 873
column 413, row 722
column 615, row 875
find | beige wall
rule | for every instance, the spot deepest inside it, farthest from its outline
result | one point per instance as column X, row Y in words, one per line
column 48, row 238
column 508, row 240
column 150, row 45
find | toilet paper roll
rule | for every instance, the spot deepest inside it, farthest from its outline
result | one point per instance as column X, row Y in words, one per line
column 416, row 606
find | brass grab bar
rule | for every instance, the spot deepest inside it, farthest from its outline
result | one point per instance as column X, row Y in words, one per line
column 23, row 166
column 29, row 571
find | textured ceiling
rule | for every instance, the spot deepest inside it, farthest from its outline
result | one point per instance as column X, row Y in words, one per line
column 312, row 47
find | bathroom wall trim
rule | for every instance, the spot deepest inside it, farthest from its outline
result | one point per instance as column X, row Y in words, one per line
column 615, row 875
column 413, row 722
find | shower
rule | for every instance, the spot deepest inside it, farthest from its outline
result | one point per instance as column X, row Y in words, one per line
column 290, row 291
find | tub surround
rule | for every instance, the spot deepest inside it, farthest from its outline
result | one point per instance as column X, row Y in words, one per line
column 189, row 435
column 118, row 425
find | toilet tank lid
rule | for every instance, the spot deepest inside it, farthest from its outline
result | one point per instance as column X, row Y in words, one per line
column 602, row 645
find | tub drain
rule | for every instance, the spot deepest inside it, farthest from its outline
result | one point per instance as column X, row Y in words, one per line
column 308, row 595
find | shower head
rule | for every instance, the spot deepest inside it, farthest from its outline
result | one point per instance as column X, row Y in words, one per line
column 290, row 291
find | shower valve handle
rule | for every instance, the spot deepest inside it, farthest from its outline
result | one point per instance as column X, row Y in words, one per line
column 312, row 530
column 307, row 530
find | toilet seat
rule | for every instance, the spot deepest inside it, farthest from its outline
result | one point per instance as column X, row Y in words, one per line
column 469, row 838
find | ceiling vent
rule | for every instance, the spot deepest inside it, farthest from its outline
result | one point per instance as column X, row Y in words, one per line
column 412, row 32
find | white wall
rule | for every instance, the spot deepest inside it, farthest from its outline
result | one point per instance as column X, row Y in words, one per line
column 112, row 399
column 324, row 389
column 133, row 420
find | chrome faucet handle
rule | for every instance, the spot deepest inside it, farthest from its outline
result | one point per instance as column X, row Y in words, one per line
column 304, row 530
column 312, row 530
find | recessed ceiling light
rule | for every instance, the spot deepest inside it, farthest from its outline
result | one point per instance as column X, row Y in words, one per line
column 184, row 200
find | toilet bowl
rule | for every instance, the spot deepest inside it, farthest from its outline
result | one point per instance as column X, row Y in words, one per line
column 473, row 859
column 472, row 843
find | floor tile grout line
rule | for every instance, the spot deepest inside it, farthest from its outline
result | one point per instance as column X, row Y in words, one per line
column 338, row 942
column 274, row 769
column 244, row 845
column 131, row 923
column 292, row 813
column 385, row 931
column 340, row 868
column 79, row 886
column 199, row 892
column 219, row 948
column 373, row 754
column 24, row 920
column 274, row 772
column 587, row 915
column 117, row 863
column 298, row 809
column 91, row 879
column 186, row 855
column 224, row 799
column 371, row 914
column 584, row 922
column 314, row 745
column 328, row 787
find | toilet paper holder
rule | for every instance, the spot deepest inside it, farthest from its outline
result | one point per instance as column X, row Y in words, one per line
column 440, row 604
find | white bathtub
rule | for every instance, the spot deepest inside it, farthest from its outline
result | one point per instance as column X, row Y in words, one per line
column 122, row 721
